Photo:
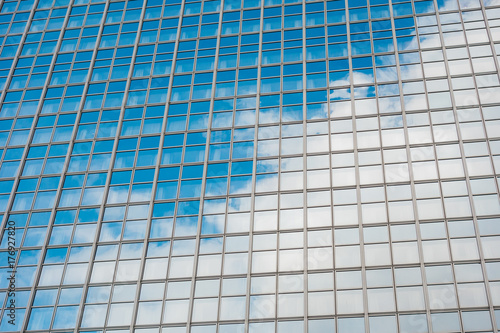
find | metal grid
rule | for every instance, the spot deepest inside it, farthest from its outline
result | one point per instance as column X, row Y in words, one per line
column 336, row 172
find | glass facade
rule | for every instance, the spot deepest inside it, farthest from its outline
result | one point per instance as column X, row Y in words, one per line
column 229, row 166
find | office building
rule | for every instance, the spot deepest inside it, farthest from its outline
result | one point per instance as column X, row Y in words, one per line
column 229, row 166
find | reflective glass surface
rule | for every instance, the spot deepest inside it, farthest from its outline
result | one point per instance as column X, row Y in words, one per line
column 216, row 166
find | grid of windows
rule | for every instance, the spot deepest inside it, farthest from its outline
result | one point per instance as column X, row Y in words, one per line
column 250, row 166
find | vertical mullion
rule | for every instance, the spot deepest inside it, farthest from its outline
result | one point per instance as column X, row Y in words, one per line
column 330, row 183
column 157, row 168
column 254, row 170
column 359, row 224
column 35, row 118
column 427, row 299
column 304, row 159
column 204, row 177
column 118, row 130
column 410, row 170
column 25, row 154
column 110, row 168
